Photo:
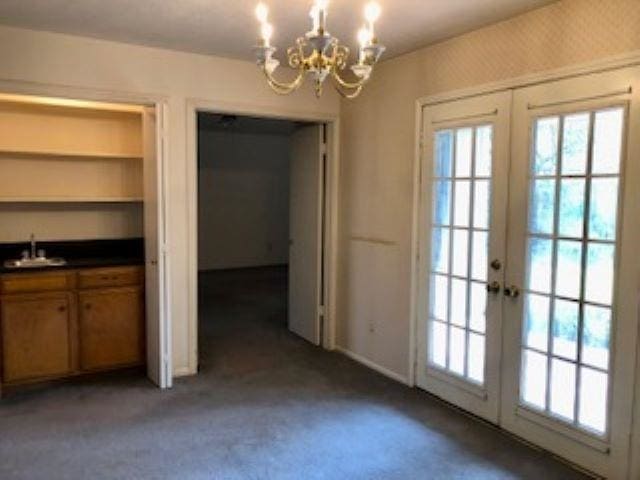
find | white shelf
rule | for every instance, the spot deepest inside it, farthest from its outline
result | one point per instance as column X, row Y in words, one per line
column 71, row 200
column 71, row 155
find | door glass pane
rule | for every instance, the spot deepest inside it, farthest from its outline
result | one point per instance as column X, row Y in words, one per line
column 593, row 399
column 484, row 147
column 563, row 388
column 476, row 357
column 607, row 143
column 479, row 257
column 540, row 265
column 546, row 146
column 438, row 343
column 440, row 250
column 536, row 326
column 460, row 252
column 599, row 279
column 459, row 256
column 542, row 205
column 442, row 203
column 439, row 297
column 568, row 268
column 461, row 203
column 534, row 379
column 596, row 333
column 481, row 197
column 464, row 141
column 459, row 302
column 457, row 348
column 478, row 306
column 443, row 161
column 603, row 208
column 571, row 217
column 575, row 144
column 567, row 331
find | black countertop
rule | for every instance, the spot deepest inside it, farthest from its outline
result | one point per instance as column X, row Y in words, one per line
column 79, row 253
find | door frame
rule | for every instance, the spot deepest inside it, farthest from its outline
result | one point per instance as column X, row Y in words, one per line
column 332, row 122
column 612, row 63
column 161, row 105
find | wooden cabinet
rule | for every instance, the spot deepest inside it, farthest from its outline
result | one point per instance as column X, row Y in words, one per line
column 36, row 336
column 58, row 324
column 111, row 327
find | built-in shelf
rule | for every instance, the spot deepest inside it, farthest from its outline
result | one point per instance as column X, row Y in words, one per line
column 71, row 200
column 71, row 155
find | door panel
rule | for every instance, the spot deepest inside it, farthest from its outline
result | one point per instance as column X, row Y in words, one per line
column 156, row 274
column 463, row 210
column 29, row 323
column 305, row 226
column 111, row 325
column 571, row 334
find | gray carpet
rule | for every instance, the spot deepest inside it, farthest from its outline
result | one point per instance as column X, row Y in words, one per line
column 266, row 406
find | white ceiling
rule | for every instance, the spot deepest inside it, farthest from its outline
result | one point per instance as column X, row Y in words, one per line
column 228, row 27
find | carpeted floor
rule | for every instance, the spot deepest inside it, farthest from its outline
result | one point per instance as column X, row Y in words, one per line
column 266, row 406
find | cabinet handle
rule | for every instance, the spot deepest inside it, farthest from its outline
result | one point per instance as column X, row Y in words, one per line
column 62, row 308
column 87, row 306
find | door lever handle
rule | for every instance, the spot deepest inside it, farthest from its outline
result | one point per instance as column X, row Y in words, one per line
column 493, row 287
column 512, row 291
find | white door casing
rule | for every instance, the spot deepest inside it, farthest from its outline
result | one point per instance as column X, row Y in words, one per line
column 306, row 230
column 156, row 264
column 455, row 253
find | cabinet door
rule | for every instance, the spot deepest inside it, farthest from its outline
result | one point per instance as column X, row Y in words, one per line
column 36, row 336
column 111, row 327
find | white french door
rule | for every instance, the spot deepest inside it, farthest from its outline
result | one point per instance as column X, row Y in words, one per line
column 462, row 246
column 571, row 337
column 552, row 357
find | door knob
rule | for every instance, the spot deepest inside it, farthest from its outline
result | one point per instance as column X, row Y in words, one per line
column 493, row 287
column 512, row 291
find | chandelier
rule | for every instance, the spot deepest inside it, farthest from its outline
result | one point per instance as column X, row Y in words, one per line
column 319, row 54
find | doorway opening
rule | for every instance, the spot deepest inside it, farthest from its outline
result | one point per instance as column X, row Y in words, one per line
column 261, row 232
column 93, row 221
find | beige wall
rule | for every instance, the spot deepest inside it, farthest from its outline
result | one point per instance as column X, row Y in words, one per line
column 378, row 151
column 243, row 199
column 62, row 60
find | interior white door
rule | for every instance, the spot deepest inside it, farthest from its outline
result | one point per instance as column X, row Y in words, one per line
column 462, row 251
column 157, row 293
column 571, row 335
column 305, row 227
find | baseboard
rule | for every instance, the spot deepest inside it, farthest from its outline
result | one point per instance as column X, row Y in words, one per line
column 374, row 366
column 182, row 372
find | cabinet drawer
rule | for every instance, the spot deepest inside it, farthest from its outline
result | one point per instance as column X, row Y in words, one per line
column 110, row 277
column 36, row 282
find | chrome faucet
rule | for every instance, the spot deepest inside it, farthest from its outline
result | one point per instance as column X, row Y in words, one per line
column 33, row 246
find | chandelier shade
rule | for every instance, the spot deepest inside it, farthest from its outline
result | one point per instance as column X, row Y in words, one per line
column 320, row 55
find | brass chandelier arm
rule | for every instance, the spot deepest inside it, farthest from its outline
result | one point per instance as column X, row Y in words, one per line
column 284, row 88
column 355, row 87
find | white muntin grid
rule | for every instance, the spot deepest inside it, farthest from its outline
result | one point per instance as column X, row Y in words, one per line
column 464, row 241
column 586, row 239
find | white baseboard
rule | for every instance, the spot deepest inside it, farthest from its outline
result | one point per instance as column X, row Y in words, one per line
column 374, row 366
column 182, row 372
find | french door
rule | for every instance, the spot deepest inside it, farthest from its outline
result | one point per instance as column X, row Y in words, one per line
column 463, row 239
column 560, row 337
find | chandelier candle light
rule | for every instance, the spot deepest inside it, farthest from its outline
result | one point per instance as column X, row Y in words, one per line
column 319, row 54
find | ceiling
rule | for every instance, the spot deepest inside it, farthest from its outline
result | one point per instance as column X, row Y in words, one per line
column 228, row 27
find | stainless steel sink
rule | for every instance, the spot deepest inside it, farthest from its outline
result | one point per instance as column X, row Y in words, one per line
column 34, row 258
column 37, row 262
